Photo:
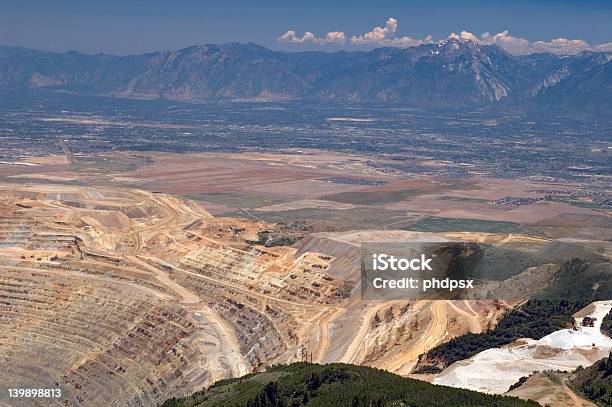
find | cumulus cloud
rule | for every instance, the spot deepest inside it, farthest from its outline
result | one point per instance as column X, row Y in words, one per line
column 607, row 47
column 291, row 36
column 522, row 46
column 337, row 37
column 332, row 37
column 514, row 45
column 378, row 35
column 388, row 36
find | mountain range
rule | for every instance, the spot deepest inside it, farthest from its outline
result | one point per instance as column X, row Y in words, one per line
column 449, row 75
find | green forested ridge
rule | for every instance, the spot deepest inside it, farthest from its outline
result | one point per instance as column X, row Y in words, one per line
column 535, row 319
column 595, row 382
column 576, row 285
column 606, row 324
column 303, row 384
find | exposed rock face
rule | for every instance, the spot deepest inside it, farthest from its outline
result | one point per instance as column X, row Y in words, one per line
column 124, row 298
column 99, row 342
column 448, row 75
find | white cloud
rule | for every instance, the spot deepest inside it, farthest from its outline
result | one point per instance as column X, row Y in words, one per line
column 378, row 35
column 561, row 46
column 388, row 36
column 607, row 47
column 522, row 46
column 407, row 41
column 332, row 37
column 291, row 36
column 337, row 37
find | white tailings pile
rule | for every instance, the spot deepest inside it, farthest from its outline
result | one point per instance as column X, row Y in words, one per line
column 495, row 370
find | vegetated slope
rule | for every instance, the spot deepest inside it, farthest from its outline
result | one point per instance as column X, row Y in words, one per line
column 595, row 382
column 449, row 75
column 303, row 384
column 576, row 285
column 606, row 325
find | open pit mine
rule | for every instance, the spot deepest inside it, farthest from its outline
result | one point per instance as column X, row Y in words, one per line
column 122, row 297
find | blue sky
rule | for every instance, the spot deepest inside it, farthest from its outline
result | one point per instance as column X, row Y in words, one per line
column 135, row 26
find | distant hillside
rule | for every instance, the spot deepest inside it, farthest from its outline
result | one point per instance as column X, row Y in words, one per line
column 449, row 75
column 302, row 384
column 595, row 382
